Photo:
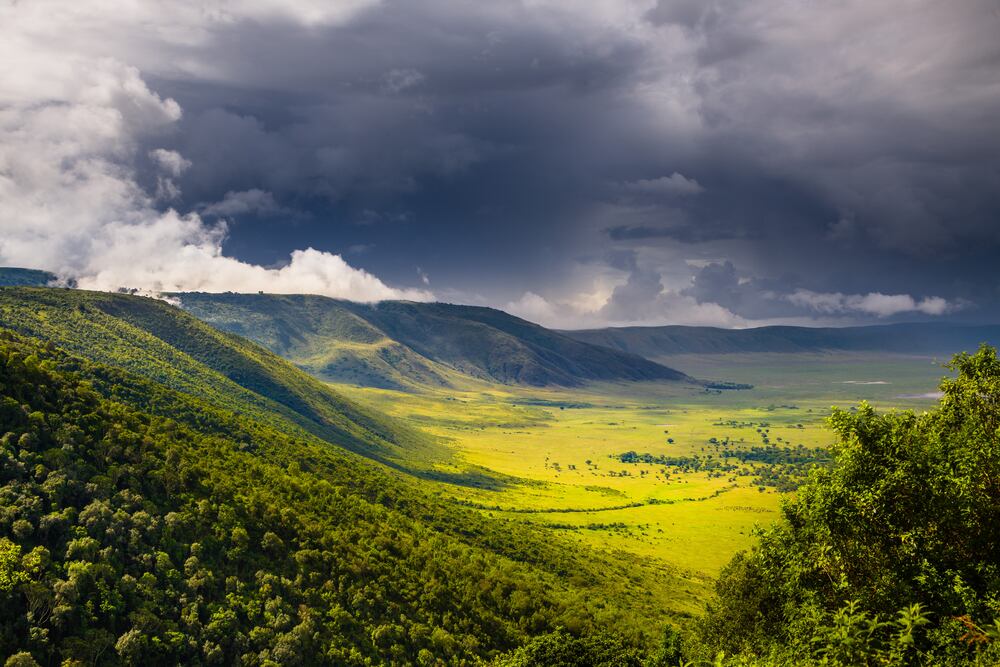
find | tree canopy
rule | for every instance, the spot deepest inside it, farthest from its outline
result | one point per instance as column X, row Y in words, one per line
column 889, row 556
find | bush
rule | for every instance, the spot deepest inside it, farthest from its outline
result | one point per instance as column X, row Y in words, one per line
column 907, row 518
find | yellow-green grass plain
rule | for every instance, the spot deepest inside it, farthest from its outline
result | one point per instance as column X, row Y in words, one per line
column 556, row 450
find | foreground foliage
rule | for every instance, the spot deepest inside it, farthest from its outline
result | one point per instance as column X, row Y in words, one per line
column 889, row 557
column 140, row 525
column 173, row 495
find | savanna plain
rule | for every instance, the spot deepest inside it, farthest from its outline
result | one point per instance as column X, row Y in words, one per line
column 673, row 477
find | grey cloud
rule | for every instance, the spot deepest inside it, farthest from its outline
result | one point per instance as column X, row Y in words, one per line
column 255, row 201
column 687, row 233
column 518, row 137
column 756, row 298
column 747, row 296
column 673, row 185
column 397, row 80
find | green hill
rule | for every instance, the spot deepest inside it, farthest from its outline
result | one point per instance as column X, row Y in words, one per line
column 320, row 335
column 165, row 344
column 398, row 343
column 913, row 338
column 175, row 495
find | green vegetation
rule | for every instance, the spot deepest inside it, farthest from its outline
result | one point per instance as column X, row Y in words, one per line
column 786, row 467
column 555, row 449
column 397, row 344
column 174, row 494
column 890, row 556
column 145, row 525
column 322, row 336
column 155, row 340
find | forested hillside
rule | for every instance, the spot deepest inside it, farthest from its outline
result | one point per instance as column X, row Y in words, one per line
column 153, row 339
column 146, row 524
column 396, row 343
column 172, row 494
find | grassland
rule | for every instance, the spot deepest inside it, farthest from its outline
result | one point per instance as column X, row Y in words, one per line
column 559, row 450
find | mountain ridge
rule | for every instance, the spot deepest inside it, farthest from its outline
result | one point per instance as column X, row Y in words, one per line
column 399, row 343
column 899, row 338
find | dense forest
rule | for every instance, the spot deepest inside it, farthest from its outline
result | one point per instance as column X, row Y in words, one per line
column 173, row 495
column 141, row 524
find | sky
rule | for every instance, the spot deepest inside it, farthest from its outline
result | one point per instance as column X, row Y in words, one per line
column 581, row 164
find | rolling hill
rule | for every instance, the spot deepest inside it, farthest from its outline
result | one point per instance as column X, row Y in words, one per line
column 173, row 494
column 913, row 338
column 399, row 343
column 163, row 343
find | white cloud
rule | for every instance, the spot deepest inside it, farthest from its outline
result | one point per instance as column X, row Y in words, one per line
column 534, row 308
column 873, row 303
column 668, row 307
column 171, row 162
column 201, row 267
column 70, row 135
column 674, row 184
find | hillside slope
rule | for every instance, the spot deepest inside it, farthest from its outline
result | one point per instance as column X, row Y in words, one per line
column 145, row 524
column 397, row 342
column 915, row 338
column 158, row 341
column 319, row 335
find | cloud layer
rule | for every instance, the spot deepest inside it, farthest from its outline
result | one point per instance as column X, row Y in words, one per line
column 71, row 132
column 640, row 161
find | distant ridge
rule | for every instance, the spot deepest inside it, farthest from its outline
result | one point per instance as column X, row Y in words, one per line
column 12, row 277
column 399, row 343
column 911, row 338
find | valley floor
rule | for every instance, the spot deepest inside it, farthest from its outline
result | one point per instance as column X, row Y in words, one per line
column 554, row 457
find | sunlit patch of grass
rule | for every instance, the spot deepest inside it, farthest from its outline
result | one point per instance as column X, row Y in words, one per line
column 559, row 449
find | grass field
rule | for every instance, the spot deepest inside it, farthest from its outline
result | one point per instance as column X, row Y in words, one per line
column 557, row 451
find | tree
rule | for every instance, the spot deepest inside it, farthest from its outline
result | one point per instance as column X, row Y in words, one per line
column 131, row 646
column 11, row 573
column 21, row 659
column 909, row 513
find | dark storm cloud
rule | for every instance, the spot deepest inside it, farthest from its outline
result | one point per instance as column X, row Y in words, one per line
column 685, row 234
column 739, row 153
column 747, row 297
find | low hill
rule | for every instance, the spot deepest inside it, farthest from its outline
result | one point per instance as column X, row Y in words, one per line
column 167, row 345
column 172, row 494
column 320, row 335
column 398, row 343
column 914, row 338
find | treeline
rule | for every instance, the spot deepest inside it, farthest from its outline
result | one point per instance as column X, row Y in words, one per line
column 771, row 454
column 783, row 468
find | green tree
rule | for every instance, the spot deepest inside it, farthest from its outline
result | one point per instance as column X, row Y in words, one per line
column 11, row 573
column 908, row 514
